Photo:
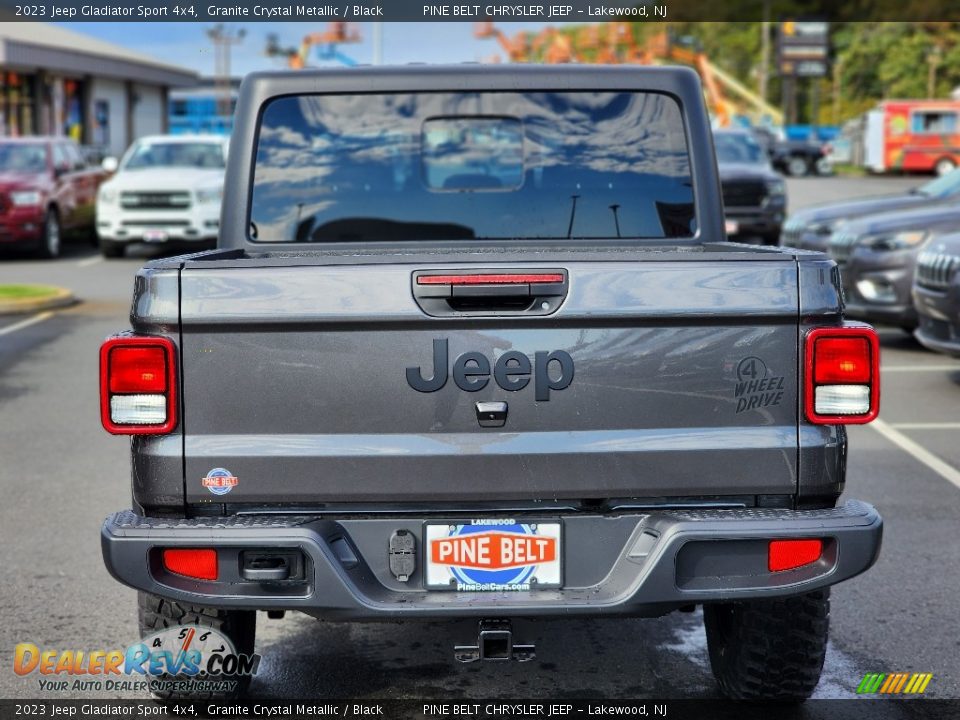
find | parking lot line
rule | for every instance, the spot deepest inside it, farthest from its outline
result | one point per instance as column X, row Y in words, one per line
column 87, row 262
column 33, row 320
column 927, row 426
column 919, row 368
column 917, row 452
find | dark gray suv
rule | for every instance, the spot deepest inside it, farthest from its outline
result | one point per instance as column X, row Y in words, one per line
column 936, row 293
column 877, row 254
column 810, row 228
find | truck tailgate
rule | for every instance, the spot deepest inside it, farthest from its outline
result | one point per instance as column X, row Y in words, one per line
column 684, row 383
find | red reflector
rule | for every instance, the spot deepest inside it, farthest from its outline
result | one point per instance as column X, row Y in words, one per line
column 842, row 360
column 790, row 554
column 138, row 370
column 193, row 563
column 488, row 279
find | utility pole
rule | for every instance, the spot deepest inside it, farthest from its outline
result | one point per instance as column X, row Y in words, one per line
column 765, row 50
column 378, row 43
column 934, row 58
column 224, row 39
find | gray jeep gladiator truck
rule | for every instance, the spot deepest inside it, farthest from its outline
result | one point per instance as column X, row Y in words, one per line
column 473, row 347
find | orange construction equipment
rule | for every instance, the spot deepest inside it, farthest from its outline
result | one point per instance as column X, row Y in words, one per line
column 619, row 43
column 337, row 33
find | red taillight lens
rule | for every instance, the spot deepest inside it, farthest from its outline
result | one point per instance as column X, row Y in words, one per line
column 135, row 369
column 491, row 279
column 842, row 375
column 841, row 360
column 200, row 564
column 138, row 385
column 791, row 554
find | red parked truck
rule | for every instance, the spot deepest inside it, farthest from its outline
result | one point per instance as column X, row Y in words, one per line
column 47, row 189
column 913, row 136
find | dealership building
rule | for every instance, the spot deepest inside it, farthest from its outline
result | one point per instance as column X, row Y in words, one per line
column 54, row 81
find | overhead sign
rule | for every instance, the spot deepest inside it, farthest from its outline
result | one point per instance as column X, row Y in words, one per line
column 803, row 48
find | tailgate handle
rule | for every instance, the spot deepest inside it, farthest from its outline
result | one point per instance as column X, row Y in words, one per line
column 479, row 292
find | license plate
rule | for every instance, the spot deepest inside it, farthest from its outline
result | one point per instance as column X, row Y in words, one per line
column 155, row 236
column 732, row 226
column 492, row 555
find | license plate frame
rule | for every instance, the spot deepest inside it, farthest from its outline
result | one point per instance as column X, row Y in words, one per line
column 540, row 540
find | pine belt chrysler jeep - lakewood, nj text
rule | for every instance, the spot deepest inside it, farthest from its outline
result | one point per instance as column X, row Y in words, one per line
column 473, row 345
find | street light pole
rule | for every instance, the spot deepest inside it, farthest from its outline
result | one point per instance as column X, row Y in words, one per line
column 224, row 39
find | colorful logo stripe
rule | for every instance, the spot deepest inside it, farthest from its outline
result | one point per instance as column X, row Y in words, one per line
column 894, row 683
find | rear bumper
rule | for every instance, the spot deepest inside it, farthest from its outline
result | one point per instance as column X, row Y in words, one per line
column 632, row 564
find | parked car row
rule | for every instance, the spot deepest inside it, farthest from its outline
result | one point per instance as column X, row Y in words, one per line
column 165, row 189
column 899, row 257
column 47, row 190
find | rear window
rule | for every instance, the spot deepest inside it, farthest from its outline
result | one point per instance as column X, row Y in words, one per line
column 464, row 166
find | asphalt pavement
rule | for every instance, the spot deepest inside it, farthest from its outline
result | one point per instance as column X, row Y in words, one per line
column 60, row 474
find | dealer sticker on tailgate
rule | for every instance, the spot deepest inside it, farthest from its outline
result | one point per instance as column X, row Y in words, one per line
column 492, row 555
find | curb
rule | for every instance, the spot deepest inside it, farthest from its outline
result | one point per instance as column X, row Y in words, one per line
column 61, row 298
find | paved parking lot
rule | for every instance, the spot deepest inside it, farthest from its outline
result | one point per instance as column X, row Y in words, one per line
column 60, row 474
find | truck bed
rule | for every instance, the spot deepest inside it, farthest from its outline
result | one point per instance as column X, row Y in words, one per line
column 294, row 370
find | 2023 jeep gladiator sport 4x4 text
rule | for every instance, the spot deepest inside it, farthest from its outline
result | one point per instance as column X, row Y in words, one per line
column 473, row 345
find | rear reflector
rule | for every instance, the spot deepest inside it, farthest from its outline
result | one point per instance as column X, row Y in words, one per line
column 137, row 385
column 490, row 279
column 791, row 554
column 842, row 375
column 200, row 564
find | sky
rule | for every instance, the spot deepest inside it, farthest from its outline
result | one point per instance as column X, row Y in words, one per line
column 187, row 44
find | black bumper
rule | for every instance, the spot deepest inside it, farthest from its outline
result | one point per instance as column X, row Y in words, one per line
column 632, row 564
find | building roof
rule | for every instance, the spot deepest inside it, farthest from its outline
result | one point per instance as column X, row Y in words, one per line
column 54, row 48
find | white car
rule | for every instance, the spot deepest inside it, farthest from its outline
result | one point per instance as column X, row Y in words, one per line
column 167, row 188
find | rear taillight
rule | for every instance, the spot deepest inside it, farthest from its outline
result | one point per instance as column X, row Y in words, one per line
column 138, row 385
column 842, row 375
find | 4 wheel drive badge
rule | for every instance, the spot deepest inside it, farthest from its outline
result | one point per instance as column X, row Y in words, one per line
column 220, row 481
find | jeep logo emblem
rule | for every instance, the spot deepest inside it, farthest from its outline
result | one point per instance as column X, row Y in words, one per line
column 471, row 371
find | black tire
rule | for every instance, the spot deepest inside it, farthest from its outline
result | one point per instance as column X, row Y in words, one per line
column 769, row 649
column 944, row 166
column 111, row 249
column 797, row 166
column 156, row 613
column 51, row 238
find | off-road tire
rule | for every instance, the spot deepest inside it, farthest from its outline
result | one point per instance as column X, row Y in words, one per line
column 156, row 613
column 769, row 649
column 111, row 249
